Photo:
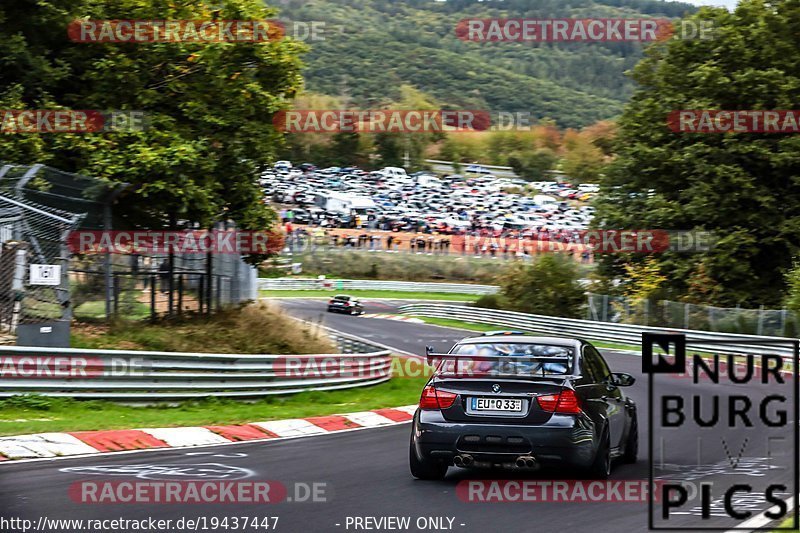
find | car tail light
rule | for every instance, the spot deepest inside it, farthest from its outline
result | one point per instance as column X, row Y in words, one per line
column 446, row 399
column 436, row 399
column 548, row 403
column 331, row 301
column 566, row 402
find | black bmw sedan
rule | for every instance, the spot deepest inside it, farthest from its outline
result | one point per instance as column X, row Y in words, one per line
column 522, row 402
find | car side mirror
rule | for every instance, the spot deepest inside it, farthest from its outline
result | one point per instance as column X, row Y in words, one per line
column 429, row 350
column 622, row 379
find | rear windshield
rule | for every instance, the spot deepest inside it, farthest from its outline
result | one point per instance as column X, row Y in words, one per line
column 464, row 366
column 342, row 298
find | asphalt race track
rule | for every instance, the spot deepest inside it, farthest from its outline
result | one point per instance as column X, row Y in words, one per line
column 365, row 473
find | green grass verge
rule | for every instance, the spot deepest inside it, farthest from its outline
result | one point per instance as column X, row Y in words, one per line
column 259, row 328
column 39, row 414
column 398, row 295
column 343, row 264
column 786, row 524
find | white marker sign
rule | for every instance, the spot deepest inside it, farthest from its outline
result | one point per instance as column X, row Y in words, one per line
column 45, row 275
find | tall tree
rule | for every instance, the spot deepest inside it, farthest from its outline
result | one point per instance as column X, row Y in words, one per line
column 549, row 286
column 744, row 187
column 208, row 105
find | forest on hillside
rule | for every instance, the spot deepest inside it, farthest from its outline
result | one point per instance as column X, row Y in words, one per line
column 372, row 48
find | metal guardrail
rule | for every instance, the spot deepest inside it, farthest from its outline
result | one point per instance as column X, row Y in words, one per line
column 144, row 376
column 601, row 331
column 288, row 284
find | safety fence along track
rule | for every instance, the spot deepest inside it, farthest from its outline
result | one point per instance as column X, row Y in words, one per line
column 629, row 334
column 146, row 376
column 295, row 284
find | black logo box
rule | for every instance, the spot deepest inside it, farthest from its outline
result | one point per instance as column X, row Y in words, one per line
column 678, row 341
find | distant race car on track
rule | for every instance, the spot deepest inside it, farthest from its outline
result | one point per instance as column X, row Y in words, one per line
column 511, row 400
column 345, row 304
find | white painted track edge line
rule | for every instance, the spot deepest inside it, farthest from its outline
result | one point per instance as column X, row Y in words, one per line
column 760, row 521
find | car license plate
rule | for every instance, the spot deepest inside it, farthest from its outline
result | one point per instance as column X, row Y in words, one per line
column 496, row 404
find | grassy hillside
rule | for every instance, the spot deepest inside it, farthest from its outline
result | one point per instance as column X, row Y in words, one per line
column 372, row 47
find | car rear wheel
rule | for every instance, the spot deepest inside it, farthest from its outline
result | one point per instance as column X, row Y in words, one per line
column 632, row 444
column 601, row 468
column 425, row 468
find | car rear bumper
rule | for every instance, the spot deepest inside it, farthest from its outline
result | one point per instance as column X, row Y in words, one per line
column 564, row 440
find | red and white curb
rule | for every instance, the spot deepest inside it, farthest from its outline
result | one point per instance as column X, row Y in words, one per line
column 49, row 445
column 401, row 318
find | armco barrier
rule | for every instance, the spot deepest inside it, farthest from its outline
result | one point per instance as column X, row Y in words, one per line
column 295, row 284
column 144, row 376
column 601, row 331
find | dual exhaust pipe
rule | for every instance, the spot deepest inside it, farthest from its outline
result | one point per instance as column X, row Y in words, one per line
column 525, row 461
column 463, row 460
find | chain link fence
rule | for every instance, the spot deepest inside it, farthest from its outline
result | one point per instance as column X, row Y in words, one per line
column 680, row 315
column 40, row 206
column 159, row 284
column 34, row 260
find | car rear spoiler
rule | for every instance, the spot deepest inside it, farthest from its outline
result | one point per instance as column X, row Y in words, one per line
column 438, row 357
column 435, row 359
